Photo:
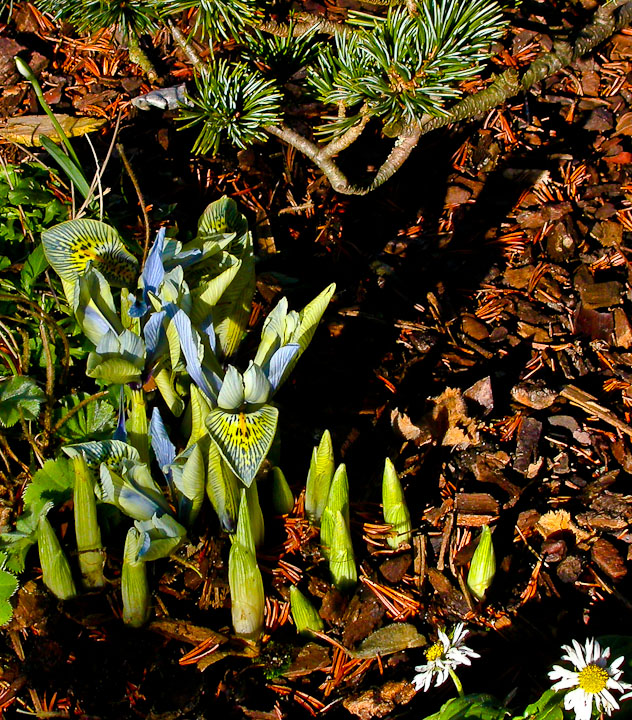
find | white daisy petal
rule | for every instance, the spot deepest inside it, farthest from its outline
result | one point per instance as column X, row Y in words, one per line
column 591, row 682
column 452, row 653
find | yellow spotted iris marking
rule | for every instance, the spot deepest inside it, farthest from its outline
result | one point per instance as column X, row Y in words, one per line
column 593, row 679
column 434, row 652
column 243, row 438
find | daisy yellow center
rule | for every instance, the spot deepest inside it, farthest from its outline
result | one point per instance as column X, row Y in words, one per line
column 434, row 652
column 593, row 679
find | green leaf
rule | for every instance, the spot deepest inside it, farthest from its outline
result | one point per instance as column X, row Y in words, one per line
column 222, row 486
column 17, row 544
column 8, row 587
column 230, row 315
column 52, row 483
column 485, row 707
column 94, row 421
column 19, row 395
column 72, row 171
column 34, row 266
column 547, row 707
column 8, row 584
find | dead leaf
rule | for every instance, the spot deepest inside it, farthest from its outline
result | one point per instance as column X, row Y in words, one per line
column 26, row 130
column 388, row 640
column 622, row 158
column 557, row 521
column 624, row 124
column 451, row 421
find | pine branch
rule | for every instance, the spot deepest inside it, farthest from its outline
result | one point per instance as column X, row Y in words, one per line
column 607, row 20
column 347, row 138
column 306, row 22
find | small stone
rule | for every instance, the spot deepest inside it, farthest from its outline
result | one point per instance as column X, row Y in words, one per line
column 599, row 120
column 560, row 244
column 533, row 395
column 622, row 329
column 481, row 393
column 607, row 558
column 590, row 87
column 554, row 550
column 395, row 568
column 602, row 295
column 518, row 278
column 473, row 327
column 527, row 444
column 594, row 324
column 457, row 195
column 609, row 234
column 569, row 570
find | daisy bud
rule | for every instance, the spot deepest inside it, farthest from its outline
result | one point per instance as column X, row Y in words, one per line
column 56, row 572
column 394, row 507
column 24, row 70
column 483, row 565
column 87, row 531
column 321, row 471
column 134, row 585
column 282, row 498
column 341, row 559
column 304, row 614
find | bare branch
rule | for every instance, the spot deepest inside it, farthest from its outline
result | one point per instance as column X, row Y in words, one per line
column 306, row 23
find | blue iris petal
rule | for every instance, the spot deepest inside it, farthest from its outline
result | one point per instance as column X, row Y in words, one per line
column 279, row 363
column 190, row 346
column 155, row 334
column 154, row 271
column 152, row 275
column 163, row 448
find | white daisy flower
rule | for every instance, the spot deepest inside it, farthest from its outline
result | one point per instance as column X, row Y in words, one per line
column 591, row 682
column 442, row 657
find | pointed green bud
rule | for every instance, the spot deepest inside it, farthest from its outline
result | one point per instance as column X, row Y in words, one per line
column 394, row 507
column 24, row 70
column 342, row 564
column 338, row 499
column 304, row 614
column 256, row 516
column 319, row 477
column 134, row 584
column 246, row 592
column 282, row 498
column 87, row 531
column 483, row 565
column 326, row 531
column 244, row 535
column 56, row 572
